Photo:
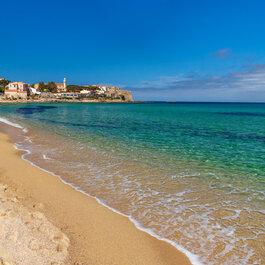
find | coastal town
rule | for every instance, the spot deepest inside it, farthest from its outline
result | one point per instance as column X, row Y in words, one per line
column 61, row 92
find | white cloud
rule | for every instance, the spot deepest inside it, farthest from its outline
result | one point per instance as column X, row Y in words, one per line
column 248, row 85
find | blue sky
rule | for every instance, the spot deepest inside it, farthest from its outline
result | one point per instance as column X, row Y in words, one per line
column 160, row 49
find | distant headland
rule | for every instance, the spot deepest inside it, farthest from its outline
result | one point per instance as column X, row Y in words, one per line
column 60, row 92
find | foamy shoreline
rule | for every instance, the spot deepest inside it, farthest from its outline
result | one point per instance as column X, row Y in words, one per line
column 167, row 259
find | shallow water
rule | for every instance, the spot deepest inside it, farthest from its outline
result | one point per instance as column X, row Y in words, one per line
column 192, row 173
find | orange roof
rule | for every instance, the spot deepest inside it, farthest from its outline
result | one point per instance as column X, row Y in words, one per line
column 19, row 83
column 59, row 84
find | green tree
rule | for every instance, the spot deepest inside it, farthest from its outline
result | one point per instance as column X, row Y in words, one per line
column 3, row 84
column 51, row 87
column 76, row 88
column 42, row 86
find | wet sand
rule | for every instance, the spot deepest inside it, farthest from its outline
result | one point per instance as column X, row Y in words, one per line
column 83, row 230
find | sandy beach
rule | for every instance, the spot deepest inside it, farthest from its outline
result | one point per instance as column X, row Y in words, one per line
column 45, row 221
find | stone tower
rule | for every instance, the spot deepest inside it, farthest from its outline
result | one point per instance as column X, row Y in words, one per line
column 64, row 83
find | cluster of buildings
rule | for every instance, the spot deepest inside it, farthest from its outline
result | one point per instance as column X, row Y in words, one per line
column 17, row 90
column 21, row 90
column 61, row 87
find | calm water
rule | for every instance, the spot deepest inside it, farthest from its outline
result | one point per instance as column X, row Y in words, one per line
column 192, row 173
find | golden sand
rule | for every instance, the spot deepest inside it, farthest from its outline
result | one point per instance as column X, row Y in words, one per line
column 27, row 237
column 97, row 235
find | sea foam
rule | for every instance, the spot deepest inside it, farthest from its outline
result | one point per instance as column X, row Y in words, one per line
column 194, row 259
column 6, row 121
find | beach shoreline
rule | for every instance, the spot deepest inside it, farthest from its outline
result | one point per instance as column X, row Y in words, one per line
column 7, row 101
column 97, row 234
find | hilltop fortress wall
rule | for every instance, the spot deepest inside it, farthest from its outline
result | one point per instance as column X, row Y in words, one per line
column 115, row 92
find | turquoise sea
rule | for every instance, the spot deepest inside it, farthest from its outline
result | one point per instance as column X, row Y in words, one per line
column 191, row 173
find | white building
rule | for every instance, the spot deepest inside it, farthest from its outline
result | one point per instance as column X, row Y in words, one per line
column 85, row 92
column 34, row 91
column 102, row 90
column 70, row 95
